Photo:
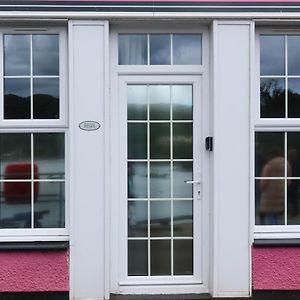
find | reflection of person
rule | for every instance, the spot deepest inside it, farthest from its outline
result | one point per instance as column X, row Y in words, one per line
column 273, row 190
column 293, row 159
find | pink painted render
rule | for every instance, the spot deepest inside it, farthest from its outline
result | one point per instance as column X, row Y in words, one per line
column 276, row 268
column 34, row 271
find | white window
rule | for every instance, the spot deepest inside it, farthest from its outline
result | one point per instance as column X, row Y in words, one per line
column 277, row 137
column 33, row 135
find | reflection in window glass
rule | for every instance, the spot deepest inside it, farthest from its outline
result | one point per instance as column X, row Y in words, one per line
column 294, row 98
column 159, row 101
column 137, row 140
column 293, row 43
column 49, row 205
column 46, row 98
column 272, row 55
column 186, row 49
column 160, row 257
column 272, row 98
column 45, row 54
column 137, row 180
column 293, row 201
column 137, row 258
column 137, row 102
column 183, row 257
column 137, row 219
column 17, row 98
column 132, row 49
column 160, row 218
column 49, row 154
column 182, row 102
column 25, row 182
column 160, row 49
column 160, row 180
column 31, row 56
column 16, row 55
column 15, row 156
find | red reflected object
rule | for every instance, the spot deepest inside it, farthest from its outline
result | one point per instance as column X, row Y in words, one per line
column 20, row 192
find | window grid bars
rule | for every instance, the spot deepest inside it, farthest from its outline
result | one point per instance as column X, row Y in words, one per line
column 285, row 180
column 286, row 78
column 148, row 175
column 172, row 175
column 32, row 180
column 149, row 199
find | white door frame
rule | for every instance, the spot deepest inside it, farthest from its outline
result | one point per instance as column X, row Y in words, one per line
column 154, row 74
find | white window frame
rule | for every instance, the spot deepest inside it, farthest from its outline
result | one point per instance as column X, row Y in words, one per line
column 270, row 125
column 138, row 74
column 40, row 126
column 63, row 96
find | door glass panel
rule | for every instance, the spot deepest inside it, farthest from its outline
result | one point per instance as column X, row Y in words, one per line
column 160, row 161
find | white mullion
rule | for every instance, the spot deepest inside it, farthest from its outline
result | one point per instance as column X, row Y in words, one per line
column 148, row 50
column 31, row 78
column 148, row 171
column 286, row 75
column 285, row 180
column 172, row 183
column 171, row 50
column 32, row 179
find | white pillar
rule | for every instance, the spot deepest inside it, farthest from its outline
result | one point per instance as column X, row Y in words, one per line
column 87, row 61
column 232, row 58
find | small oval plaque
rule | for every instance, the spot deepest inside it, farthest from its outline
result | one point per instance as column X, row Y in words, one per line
column 89, row 125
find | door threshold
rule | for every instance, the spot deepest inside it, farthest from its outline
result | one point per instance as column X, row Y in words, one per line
column 162, row 297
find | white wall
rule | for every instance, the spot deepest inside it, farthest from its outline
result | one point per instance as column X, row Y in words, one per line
column 87, row 40
column 232, row 52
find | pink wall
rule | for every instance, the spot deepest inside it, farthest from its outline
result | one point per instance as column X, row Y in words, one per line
column 30, row 271
column 276, row 268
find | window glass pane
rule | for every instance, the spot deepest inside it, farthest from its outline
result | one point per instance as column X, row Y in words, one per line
column 183, row 257
column 159, row 99
column 133, row 49
column 137, row 180
column 160, row 180
column 160, row 257
column 270, row 203
column 137, row 258
column 272, row 98
column 182, row 171
column 294, row 98
column 137, row 102
column 186, row 49
column 269, row 154
column 272, row 55
column 49, row 206
column 46, row 98
column 183, row 218
column 293, row 154
column 160, row 49
column 183, row 140
column 17, row 98
column 160, row 218
column 160, row 140
column 293, row 43
column 15, row 157
column 182, row 102
column 15, row 205
column 293, row 197
column 49, row 155
column 137, row 218
column 16, row 55
column 137, row 141
column 45, row 48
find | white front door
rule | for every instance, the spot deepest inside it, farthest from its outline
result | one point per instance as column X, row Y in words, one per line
column 160, row 205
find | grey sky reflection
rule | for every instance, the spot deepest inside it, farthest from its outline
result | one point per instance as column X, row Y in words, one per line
column 272, row 55
column 45, row 55
column 17, row 86
column 16, row 55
